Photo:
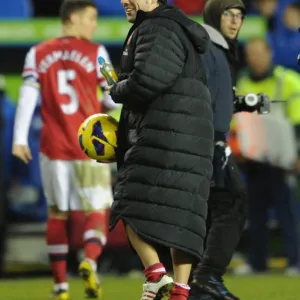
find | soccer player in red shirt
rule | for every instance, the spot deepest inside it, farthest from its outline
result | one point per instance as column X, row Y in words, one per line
column 64, row 73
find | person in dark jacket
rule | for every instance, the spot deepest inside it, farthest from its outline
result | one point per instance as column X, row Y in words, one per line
column 7, row 115
column 227, row 201
column 165, row 142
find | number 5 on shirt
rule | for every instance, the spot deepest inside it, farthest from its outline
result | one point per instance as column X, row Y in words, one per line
column 64, row 77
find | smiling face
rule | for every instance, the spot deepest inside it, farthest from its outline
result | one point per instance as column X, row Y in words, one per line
column 231, row 22
column 132, row 6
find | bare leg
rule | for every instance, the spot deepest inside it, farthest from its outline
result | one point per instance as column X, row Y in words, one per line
column 158, row 283
column 182, row 265
column 145, row 251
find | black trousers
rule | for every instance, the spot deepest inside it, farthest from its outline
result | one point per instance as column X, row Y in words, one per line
column 227, row 214
column 267, row 187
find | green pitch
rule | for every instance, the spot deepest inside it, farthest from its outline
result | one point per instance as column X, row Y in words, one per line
column 271, row 287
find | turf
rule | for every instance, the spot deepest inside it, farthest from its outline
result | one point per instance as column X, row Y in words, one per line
column 273, row 287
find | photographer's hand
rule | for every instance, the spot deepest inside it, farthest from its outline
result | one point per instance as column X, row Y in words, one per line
column 220, row 161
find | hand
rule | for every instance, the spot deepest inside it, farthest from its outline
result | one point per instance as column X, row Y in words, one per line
column 297, row 165
column 22, row 152
column 220, row 161
column 220, row 156
column 108, row 88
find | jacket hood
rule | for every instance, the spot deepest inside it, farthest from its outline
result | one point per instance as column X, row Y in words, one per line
column 195, row 32
column 216, row 37
column 214, row 9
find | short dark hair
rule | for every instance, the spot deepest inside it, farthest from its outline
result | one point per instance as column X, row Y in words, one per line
column 68, row 7
column 162, row 2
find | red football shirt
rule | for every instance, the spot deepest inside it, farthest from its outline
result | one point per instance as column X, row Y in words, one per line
column 190, row 7
column 68, row 75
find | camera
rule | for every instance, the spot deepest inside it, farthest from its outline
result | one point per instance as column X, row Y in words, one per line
column 252, row 102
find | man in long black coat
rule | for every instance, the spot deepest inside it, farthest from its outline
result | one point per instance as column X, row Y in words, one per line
column 165, row 141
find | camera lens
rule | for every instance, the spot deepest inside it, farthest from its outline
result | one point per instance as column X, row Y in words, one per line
column 251, row 99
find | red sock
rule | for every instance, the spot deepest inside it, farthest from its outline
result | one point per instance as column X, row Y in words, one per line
column 180, row 292
column 57, row 241
column 76, row 229
column 94, row 235
column 154, row 272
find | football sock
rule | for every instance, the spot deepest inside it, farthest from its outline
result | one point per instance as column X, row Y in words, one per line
column 76, row 229
column 154, row 272
column 57, row 241
column 94, row 237
column 61, row 287
column 180, row 292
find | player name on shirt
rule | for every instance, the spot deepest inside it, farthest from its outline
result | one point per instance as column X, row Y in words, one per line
column 73, row 55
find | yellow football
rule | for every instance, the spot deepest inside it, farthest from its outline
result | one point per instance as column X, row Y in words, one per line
column 97, row 137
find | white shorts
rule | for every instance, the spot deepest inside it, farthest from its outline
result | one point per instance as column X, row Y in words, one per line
column 76, row 185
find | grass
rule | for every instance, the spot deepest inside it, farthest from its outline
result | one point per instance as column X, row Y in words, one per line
column 270, row 287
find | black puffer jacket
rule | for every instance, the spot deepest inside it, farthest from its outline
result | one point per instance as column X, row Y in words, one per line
column 165, row 142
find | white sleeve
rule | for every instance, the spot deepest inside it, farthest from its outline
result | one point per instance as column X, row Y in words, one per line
column 108, row 102
column 102, row 52
column 28, row 99
column 30, row 73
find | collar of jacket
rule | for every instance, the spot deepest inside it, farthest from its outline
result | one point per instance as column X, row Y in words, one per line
column 142, row 15
column 216, row 37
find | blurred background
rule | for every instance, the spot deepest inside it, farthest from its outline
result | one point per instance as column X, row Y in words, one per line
column 265, row 146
